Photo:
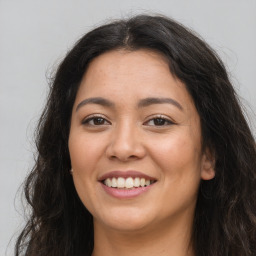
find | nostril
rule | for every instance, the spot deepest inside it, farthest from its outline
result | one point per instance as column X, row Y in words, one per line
column 124, row 158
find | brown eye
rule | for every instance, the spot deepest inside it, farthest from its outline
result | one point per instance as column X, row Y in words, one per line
column 159, row 121
column 95, row 121
column 98, row 121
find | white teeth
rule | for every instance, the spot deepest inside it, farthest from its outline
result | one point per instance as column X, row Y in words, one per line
column 120, row 182
column 136, row 182
column 108, row 182
column 130, row 182
column 114, row 183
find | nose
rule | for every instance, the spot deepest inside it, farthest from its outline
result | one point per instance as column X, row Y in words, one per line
column 126, row 143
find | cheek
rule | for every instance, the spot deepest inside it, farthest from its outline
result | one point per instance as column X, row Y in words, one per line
column 178, row 161
column 84, row 151
column 84, row 155
column 177, row 150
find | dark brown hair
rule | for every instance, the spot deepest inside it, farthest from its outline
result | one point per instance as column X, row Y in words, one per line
column 225, row 216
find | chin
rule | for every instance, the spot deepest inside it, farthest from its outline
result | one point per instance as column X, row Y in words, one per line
column 125, row 220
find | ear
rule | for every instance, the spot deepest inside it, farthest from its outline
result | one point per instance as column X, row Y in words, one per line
column 208, row 165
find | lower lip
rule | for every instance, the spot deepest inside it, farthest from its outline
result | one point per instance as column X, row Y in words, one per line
column 126, row 193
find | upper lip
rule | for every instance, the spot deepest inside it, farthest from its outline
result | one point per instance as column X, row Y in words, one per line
column 125, row 174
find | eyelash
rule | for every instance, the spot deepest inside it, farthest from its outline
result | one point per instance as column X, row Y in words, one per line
column 166, row 121
column 162, row 119
column 93, row 118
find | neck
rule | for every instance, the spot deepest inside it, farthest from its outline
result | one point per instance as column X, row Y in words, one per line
column 170, row 239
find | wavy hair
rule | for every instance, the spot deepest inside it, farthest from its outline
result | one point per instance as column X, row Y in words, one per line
column 225, row 214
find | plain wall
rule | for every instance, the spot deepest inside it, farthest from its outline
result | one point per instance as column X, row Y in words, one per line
column 35, row 35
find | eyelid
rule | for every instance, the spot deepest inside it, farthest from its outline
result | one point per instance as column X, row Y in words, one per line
column 88, row 118
column 160, row 116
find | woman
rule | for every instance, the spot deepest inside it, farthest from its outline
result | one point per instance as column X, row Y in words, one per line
column 142, row 150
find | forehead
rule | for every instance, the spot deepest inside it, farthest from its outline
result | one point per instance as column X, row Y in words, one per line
column 122, row 74
column 126, row 70
column 127, row 65
column 119, row 57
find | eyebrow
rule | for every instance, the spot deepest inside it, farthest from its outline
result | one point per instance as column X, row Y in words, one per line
column 142, row 103
column 150, row 101
column 97, row 100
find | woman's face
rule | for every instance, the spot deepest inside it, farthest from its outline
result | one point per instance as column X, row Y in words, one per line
column 135, row 143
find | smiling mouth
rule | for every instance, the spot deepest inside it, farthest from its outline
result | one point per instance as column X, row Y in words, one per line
column 127, row 183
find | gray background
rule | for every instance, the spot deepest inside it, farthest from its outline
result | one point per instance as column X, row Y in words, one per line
column 35, row 35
